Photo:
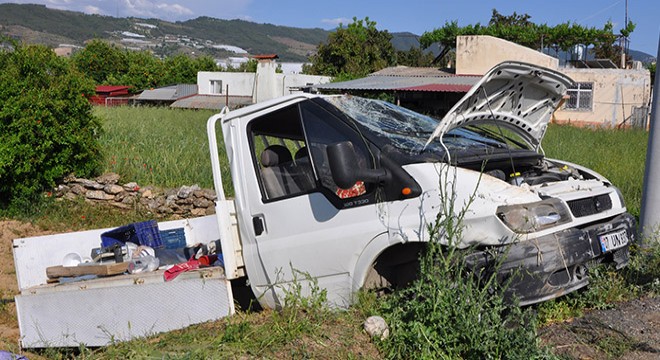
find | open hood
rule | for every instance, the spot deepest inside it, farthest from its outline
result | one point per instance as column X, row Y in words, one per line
column 518, row 96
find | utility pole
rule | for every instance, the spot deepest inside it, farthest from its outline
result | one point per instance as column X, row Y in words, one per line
column 650, row 212
column 624, row 40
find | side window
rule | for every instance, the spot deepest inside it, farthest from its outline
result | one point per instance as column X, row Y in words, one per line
column 279, row 154
column 323, row 129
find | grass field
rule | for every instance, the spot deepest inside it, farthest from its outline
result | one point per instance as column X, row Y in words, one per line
column 156, row 145
column 619, row 155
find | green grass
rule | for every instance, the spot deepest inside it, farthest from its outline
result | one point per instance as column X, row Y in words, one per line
column 619, row 155
column 157, row 146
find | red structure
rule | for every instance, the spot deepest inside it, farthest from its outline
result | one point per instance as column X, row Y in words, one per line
column 110, row 95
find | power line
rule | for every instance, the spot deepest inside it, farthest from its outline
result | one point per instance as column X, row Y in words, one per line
column 601, row 11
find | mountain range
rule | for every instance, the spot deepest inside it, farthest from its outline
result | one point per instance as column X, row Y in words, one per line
column 204, row 35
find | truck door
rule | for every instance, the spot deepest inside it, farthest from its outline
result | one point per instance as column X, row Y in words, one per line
column 304, row 225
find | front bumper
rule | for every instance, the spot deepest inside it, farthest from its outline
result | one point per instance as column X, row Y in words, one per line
column 544, row 268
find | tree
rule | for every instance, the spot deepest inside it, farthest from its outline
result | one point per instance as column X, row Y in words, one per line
column 353, row 51
column 47, row 129
column 519, row 29
column 414, row 57
column 99, row 59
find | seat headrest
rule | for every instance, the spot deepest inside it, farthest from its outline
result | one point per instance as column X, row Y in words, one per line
column 275, row 155
column 301, row 153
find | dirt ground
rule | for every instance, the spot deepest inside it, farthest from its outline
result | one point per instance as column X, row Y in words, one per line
column 629, row 331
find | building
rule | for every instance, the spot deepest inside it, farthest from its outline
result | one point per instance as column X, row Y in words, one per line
column 111, row 95
column 166, row 95
column 236, row 89
column 427, row 90
column 603, row 95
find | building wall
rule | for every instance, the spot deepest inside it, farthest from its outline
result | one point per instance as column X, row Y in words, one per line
column 476, row 54
column 240, row 84
column 264, row 85
column 615, row 93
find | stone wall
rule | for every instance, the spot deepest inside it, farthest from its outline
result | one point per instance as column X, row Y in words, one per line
column 186, row 201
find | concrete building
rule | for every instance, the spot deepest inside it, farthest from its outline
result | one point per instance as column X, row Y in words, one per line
column 215, row 89
column 603, row 95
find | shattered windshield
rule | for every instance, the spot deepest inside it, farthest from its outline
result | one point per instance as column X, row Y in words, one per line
column 408, row 131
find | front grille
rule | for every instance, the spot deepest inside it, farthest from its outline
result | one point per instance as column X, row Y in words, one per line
column 590, row 206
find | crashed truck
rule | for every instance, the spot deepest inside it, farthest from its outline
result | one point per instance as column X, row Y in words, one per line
column 342, row 189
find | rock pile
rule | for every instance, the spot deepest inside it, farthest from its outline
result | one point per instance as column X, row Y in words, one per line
column 185, row 201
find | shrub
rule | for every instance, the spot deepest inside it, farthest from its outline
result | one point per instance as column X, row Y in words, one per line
column 454, row 311
column 47, row 129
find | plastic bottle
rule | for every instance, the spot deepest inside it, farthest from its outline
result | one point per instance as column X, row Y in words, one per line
column 142, row 264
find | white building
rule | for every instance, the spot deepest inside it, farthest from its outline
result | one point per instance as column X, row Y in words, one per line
column 216, row 89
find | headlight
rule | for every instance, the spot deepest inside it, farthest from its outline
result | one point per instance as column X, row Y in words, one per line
column 536, row 216
column 620, row 195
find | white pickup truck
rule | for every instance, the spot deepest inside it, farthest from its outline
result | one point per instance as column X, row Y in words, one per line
column 343, row 189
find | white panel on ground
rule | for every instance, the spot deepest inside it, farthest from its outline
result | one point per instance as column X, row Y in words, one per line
column 102, row 311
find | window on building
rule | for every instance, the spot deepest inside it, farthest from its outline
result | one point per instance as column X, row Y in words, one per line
column 216, row 86
column 580, row 97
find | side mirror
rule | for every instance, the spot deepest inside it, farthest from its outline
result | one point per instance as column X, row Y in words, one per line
column 345, row 168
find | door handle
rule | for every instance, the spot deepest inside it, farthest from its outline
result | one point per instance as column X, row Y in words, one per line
column 258, row 225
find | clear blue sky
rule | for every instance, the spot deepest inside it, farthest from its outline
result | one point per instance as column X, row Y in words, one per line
column 416, row 16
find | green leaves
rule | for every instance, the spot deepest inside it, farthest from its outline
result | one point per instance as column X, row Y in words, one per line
column 46, row 126
column 107, row 64
column 519, row 29
column 354, row 51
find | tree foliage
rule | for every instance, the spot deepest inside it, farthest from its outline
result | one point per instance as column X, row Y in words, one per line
column 353, row 51
column 518, row 28
column 47, row 129
column 108, row 64
column 414, row 57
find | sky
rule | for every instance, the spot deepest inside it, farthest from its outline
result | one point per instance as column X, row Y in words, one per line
column 415, row 16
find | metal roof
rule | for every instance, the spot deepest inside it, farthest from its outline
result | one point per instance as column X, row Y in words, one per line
column 216, row 102
column 403, row 83
column 412, row 71
column 168, row 93
column 439, row 88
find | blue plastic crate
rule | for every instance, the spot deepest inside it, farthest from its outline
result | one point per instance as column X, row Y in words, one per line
column 173, row 238
column 141, row 233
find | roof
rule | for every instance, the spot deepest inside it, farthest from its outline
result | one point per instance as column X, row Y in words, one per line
column 266, row 57
column 412, row 71
column 168, row 93
column 405, row 83
column 211, row 101
column 111, row 88
column 439, row 88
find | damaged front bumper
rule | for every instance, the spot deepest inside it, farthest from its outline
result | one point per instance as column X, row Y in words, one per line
column 544, row 268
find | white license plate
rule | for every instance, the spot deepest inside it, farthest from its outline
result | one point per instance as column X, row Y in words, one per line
column 613, row 241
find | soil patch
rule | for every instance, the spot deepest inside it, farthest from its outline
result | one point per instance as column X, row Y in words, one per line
column 628, row 331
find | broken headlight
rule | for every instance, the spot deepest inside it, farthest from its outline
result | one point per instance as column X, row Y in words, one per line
column 536, row 216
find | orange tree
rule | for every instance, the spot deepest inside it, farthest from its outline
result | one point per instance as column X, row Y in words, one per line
column 47, row 129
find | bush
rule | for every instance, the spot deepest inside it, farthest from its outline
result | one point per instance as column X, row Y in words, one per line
column 454, row 311
column 47, row 129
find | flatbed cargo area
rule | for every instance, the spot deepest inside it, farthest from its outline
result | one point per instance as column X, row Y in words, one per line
column 97, row 311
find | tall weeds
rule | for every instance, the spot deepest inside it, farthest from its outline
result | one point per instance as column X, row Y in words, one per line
column 454, row 311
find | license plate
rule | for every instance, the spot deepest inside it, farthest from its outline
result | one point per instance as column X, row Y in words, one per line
column 613, row 241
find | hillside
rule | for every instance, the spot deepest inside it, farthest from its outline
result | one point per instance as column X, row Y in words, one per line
column 205, row 35
column 38, row 24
